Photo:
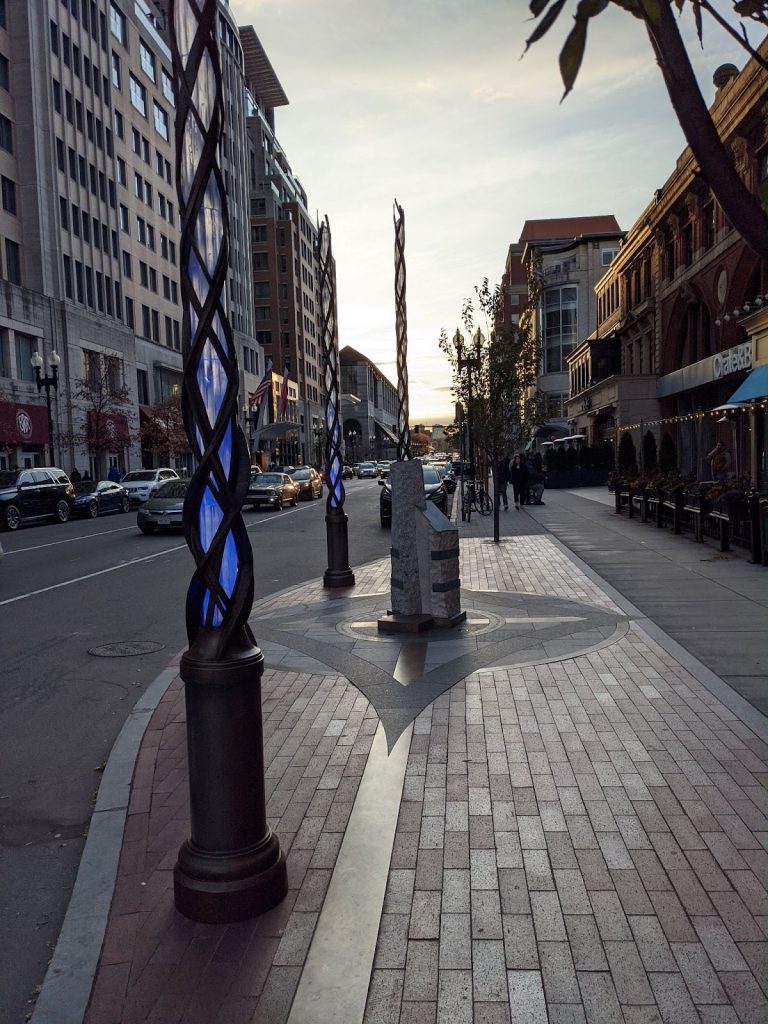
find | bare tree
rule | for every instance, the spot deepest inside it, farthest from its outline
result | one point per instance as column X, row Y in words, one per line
column 163, row 432
column 742, row 208
column 98, row 404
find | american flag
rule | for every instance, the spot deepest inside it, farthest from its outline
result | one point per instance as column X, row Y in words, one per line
column 256, row 397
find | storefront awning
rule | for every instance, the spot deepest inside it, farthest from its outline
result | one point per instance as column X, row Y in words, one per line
column 755, row 386
column 23, row 423
column 273, row 430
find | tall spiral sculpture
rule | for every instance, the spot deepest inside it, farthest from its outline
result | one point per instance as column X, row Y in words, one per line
column 338, row 573
column 232, row 867
column 401, row 331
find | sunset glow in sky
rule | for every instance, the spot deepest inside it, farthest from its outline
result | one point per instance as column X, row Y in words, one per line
column 428, row 102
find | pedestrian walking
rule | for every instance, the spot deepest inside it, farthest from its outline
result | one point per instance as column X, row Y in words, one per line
column 518, row 477
column 502, row 480
column 74, row 476
column 114, row 474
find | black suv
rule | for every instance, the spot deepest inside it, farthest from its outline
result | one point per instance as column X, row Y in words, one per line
column 27, row 494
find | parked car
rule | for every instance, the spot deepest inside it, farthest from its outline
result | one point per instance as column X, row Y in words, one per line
column 384, row 468
column 141, row 484
column 434, row 490
column 94, row 498
column 347, row 473
column 164, row 510
column 271, row 490
column 34, row 494
column 310, row 482
column 366, row 470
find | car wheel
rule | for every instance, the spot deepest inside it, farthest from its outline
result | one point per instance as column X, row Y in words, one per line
column 386, row 521
column 93, row 509
column 12, row 517
column 126, row 506
column 62, row 511
column 279, row 505
column 146, row 530
column 295, row 501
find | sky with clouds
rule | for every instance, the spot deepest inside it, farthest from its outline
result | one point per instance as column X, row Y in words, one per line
column 428, row 102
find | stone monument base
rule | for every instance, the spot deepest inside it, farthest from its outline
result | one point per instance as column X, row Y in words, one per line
column 396, row 623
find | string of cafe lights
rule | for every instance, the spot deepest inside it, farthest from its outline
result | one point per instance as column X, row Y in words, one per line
column 688, row 417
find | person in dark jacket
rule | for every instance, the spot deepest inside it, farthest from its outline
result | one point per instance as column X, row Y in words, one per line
column 502, row 480
column 518, row 476
column 114, row 474
column 74, row 476
column 535, row 483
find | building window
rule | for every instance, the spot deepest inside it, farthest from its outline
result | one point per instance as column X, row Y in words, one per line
column 25, row 346
column 146, row 327
column 262, row 313
column 559, row 326
column 607, row 256
column 142, row 386
column 9, row 195
column 117, row 23
column 12, row 261
column 147, row 59
column 6, row 134
column 67, row 276
column 161, row 120
column 124, row 221
column 708, row 226
column 117, row 79
column 5, row 73
column 127, row 267
column 138, row 94
column 261, row 261
column 168, row 87
column 130, row 319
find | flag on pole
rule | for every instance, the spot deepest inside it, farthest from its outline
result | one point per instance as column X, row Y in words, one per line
column 255, row 398
column 284, row 394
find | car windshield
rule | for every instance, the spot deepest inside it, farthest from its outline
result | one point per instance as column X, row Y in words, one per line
column 366, row 465
column 270, row 479
column 84, row 487
column 139, row 475
column 172, row 489
column 431, row 476
column 301, row 474
column 8, row 477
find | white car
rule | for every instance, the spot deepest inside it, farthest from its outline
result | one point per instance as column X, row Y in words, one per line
column 366, row 469
column 141, row 484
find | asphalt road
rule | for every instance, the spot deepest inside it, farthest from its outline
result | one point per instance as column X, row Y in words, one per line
column 64, row 590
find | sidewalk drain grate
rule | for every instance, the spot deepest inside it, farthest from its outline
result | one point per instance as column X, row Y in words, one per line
column 126, row 649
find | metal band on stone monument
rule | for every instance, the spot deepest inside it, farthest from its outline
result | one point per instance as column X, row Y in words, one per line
column 401, row 331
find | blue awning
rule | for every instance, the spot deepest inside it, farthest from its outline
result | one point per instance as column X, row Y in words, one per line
column 755, row 386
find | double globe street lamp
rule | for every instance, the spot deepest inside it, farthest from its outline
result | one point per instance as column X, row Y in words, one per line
column 51, row 381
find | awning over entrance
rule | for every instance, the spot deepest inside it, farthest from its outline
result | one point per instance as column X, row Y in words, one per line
column 386, row 432
column 23, row 424
column 273, row 430
column 755, row 386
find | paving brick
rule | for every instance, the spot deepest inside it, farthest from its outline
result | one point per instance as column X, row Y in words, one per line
column 489, row 971
column 526, row 997
column 628, row 973
column 572, row 892
column 720, row 947
column 513, row 890
column 486, row 914
column 652, row 944
column 594, row 870
column 609, row 915
column 399, row 893
column 566, row 1013
column 421, row 968
column 547, row 917
column 393, row 941
column 455, row 942
column 601, row 1005
column 384, row 994
column 586, row 946
column 557, row 970
column 454, row 1001
column 537, row 869
column 745, row 996
column 418, row 1013
column 520, row 942
column 738, row 920
column 425, row 915
column 672, row 999
column 698, row 972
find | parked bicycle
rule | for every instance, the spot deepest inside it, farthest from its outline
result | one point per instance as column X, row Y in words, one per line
column 476, row 497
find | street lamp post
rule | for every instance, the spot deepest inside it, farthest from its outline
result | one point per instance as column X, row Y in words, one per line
column 351, row 437
column 250, row 419
column 319, row 433
column 372, row 446
column 51, row 381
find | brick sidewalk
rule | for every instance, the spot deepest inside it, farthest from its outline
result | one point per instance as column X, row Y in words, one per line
column 581, row 839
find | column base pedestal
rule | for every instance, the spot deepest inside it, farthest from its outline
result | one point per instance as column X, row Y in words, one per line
column 396, row 623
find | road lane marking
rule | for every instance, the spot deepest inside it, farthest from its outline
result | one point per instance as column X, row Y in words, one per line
column 69, row 540
column 133, row 561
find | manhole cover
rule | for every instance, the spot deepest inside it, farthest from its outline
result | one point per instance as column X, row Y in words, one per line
column 126, row 649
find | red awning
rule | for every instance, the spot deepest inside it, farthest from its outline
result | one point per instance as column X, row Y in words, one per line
column 23, row 424
column 111, row 428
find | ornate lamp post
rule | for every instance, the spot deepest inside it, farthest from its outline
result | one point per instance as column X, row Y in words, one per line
column 338, row 573
column 48, row 382
column 232, row 866
column 372, row 446
column 351, row 438
column 318, row 431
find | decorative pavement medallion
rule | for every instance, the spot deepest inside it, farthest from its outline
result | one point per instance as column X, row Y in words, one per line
column 401, row 675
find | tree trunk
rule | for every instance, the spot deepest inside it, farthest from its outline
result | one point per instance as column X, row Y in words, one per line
column 740, row 206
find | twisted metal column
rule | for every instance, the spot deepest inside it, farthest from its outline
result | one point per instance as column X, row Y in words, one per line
column 338, row 573
column 232, row 866
column 401, row 331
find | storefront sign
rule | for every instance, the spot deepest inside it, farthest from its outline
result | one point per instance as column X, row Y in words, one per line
column 23, row 424
column 737, row 358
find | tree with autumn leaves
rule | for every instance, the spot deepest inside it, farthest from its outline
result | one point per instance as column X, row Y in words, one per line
column 162, row 433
